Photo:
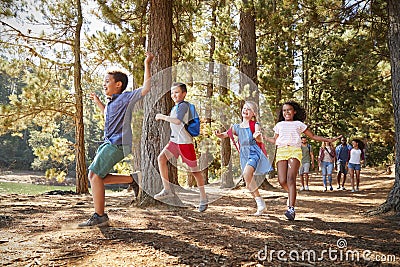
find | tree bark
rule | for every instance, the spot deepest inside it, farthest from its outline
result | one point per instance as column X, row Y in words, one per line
column 226, row 166
column 156, row 134
column 81, row 175
column 393, row 199
column 248, row 58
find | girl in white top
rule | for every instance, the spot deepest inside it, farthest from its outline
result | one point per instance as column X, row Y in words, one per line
column 355, row 160
column 287, row 138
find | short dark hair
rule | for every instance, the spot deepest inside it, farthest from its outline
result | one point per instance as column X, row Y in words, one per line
column 119, row 76
column 180, row 85
column 305, row 137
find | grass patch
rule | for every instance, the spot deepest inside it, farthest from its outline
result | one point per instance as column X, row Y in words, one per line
column 30, row 189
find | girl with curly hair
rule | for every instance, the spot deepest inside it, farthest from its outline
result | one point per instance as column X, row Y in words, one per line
column 287, row 139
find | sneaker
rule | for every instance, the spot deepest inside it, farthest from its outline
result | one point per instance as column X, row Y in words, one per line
column 338, row 188
column 343, row 188
column 357, row 189
column 325, row 189
column 163, row 195
column 353, row 190
column 95, row 220
column 307, row 188
column 290, row 214
column 260, row 206
column 331, row 188
column 302, row 188
column 134, row 185
column 203, row 205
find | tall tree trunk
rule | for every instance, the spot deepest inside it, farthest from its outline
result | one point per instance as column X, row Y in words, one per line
column 81, row 176
column 226, row 166
column 210, row 87
column 393, row 199
column 247, row 48
column 155, row 134
column 248, row 60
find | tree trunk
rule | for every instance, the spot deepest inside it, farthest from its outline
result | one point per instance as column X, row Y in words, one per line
column 393, row 199
column 247, row 48
column 210, row 90
column 81, row 176
column 226, row 166
column 155, row 134
column 248, row 60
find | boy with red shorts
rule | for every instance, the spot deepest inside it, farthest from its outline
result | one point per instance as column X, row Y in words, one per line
column 180, row 144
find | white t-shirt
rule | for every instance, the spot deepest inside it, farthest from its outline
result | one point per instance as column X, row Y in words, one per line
column 179, row 134
column 355, row 156
column 289, row 133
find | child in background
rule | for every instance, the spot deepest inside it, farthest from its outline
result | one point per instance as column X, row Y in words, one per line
column 252, row 159
column 180, row 144
column 355, row 160
column 287, row 138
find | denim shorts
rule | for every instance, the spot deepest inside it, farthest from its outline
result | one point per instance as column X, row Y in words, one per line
column 356, row 167
column 107, row 156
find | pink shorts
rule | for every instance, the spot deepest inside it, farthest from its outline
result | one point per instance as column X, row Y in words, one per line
column 186, row 151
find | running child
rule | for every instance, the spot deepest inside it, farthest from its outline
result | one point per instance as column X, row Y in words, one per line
column 180, row 144
column 287, row 138
column 252, row 159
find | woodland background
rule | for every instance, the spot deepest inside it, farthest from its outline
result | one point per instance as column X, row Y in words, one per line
column 331, row 56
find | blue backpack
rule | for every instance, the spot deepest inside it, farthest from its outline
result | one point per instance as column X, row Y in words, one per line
column 193, row 125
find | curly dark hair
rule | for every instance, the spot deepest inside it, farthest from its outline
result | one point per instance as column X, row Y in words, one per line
column 360, row 143
column 300, row 114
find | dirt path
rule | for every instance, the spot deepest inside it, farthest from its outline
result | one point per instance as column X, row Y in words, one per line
column 329, row 230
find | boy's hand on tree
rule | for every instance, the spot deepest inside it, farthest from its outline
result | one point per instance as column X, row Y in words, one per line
column 149, row 58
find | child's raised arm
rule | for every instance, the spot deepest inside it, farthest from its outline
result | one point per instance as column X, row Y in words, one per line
column 98, row 102
column 147, row 73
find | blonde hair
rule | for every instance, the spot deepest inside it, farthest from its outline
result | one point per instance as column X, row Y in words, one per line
column 254, row 108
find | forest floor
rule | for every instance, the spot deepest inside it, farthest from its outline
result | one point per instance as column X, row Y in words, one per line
column 330, row 229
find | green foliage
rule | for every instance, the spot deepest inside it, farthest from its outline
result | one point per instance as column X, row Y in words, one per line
column 331, row 56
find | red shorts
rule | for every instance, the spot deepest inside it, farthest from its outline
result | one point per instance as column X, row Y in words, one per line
column 186, row 151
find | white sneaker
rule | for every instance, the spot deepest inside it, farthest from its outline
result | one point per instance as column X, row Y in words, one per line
column 306, row 188
column 353, row 190
column 260, row 206
column 357, row 189
column 163, row 195
column 302, row 188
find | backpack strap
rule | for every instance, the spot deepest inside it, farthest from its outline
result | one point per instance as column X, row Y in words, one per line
column 252, row 125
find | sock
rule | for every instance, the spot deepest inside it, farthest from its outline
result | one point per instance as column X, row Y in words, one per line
column 260, row 202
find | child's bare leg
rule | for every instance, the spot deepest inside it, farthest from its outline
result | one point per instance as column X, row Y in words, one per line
column 98, row 192
column 282, row 174
column 163, row 167
column 251, row 185
column 302, row 180
column 293, row 168
column 200, row 184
